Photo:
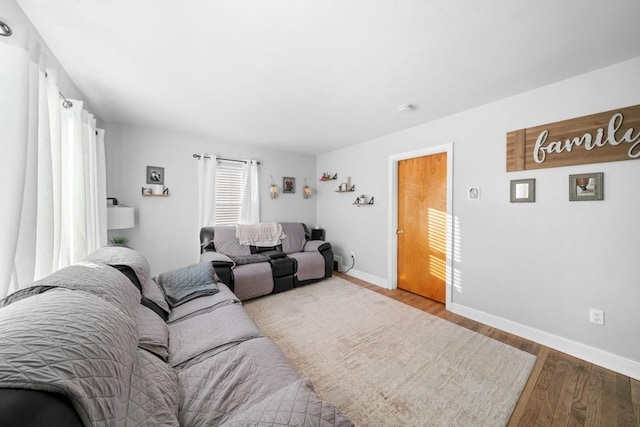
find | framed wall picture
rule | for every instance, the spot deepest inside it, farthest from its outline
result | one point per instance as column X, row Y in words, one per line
column 288, row 184
column 586, row 186
column 523, row 190
column 155, row 175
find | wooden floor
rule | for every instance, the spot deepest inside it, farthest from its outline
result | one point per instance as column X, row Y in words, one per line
column 562, row 390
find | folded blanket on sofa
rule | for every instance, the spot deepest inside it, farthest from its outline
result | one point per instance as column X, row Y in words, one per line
column 261, row 234
column 185, row 284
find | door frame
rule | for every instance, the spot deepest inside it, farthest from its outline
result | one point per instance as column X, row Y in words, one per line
column 393, row 213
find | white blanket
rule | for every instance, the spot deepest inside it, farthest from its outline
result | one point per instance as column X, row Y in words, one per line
column 261, row 234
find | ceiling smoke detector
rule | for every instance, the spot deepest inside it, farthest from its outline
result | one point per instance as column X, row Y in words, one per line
column 405, row 108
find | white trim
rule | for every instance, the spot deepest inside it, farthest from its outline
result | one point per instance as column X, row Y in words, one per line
column 375, row 280
column 624, row 366
column 392, row 173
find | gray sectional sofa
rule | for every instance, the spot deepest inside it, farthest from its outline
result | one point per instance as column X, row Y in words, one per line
column 252, row 271
column 100, row 343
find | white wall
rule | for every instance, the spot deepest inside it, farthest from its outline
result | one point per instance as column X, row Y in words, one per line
column 166, row 229
column 12, row 15
column 535, row 268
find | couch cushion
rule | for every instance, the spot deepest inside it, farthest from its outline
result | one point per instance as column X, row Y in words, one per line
column 293, row 405
column 316, row 246
column 232, row 381
column 310, row 265
column 133, row 278
column 153, row 398
column 98, row 279
column 153, row 334
column 127, row 256
column 256, row 280
column 199, row 336
column 226, row 242
column 296, row 237
column 204, row 304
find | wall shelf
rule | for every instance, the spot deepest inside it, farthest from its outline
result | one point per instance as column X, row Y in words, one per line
column 148, row 192
column 358, row 203
column 346, row 190
column 328, row 177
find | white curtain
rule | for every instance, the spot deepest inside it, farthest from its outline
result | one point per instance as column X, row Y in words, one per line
column 52, row 170
column 207, row 164
column 250, row 210
column 14, row 130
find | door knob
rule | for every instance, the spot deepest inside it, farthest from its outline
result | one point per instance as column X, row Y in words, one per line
column 399, row 232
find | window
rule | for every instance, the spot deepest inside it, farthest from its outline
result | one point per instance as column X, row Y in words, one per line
column 229, row 188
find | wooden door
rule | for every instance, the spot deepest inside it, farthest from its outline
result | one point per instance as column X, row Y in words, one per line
column 422, row 225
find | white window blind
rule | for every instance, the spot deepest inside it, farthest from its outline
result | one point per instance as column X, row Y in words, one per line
column 229, row 189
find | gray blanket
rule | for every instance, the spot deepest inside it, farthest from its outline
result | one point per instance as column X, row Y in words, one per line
column 230, row 374
column 81, row 332
column 74, row 338
column 78, row 337
column 184, row 284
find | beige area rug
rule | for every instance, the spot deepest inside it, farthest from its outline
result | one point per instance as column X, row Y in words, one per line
column 384, row 363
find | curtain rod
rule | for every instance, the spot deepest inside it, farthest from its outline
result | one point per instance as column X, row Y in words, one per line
column 66, row 103
column 199, row 156
column 5, row 30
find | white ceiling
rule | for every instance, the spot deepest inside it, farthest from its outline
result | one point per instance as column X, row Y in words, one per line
column 314, row 76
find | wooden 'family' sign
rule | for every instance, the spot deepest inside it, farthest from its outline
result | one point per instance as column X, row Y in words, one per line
column 604, row 137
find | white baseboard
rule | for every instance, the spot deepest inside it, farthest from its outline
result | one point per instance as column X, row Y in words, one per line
column 624, row 366
column 378, row 281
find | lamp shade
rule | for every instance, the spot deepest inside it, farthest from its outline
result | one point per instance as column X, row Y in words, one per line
column 120, row 217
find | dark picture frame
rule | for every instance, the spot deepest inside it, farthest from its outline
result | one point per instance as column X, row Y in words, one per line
column 586, row 186
column 288, row 184
column 155, row 175
column 523, row 190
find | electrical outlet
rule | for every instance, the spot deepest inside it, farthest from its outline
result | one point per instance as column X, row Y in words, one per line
column 596, row 316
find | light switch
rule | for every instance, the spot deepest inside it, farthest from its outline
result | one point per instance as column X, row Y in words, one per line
column 473, row 193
